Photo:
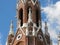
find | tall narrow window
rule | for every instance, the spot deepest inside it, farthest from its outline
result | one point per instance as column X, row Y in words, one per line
column 37, row 13
column 21, row 16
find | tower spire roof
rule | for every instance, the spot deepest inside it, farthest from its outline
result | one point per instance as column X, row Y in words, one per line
column 11, row 28
column 46, row 28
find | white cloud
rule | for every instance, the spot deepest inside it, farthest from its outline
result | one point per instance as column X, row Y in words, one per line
column 53, row 15
column 53, row 34
column 53, row 12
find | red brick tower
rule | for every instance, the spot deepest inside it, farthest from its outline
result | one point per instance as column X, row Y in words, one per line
column 29, row 27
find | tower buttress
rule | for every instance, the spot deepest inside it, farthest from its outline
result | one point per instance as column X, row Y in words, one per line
column 11, row 28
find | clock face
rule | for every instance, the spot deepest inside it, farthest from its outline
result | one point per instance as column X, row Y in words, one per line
column 40, row 37
column 19, row 36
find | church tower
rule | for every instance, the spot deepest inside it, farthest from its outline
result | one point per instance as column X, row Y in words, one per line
column 59, row 39
column 29, row 25
column 29, row 28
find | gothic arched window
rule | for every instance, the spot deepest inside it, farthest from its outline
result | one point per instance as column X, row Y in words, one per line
column 21, row 16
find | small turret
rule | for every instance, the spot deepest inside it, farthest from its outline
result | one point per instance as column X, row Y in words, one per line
column 46, row 29
column 10, row 35
column 11, row 28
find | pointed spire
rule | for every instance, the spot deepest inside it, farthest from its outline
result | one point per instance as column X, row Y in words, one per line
column 46, row 28
column 11, row 28
column 30, row 17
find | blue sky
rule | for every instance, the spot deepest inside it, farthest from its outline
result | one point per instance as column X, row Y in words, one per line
column 8, row 13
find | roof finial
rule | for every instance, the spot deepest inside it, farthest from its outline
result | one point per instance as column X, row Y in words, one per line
column 11, row 28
